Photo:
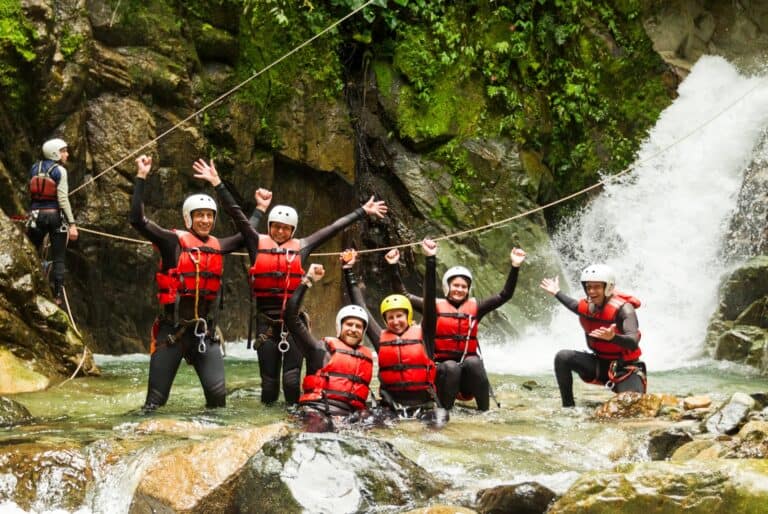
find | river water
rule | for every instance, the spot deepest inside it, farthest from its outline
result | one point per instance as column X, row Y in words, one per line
column 662, row 229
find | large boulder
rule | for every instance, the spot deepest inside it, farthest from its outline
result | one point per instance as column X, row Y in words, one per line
column 523, row 498
column 12, row 412
column 331, row 473
column 730, row 416
column 663, row 487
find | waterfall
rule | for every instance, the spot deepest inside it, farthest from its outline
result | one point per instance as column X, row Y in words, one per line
column 662, row 226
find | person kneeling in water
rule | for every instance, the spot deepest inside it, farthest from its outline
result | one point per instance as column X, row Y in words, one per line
column 339, row 369
column 405, row 350
column 611, row 329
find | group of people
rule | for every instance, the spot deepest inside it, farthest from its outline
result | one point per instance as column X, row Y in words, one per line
column 423, row 368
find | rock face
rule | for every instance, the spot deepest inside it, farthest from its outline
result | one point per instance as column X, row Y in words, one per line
column 329, row 473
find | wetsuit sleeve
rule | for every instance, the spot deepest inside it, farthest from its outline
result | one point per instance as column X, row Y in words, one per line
column 301, row 335
column 429, row 318
column 166, row 241
column 486, row 305
column 626, row 322
column 398, row 287
column 353, row 290
column 256, row 217
column 309, row 243
column 250, row 235
column 572, row 304
column 62, row 195
column 231, row 243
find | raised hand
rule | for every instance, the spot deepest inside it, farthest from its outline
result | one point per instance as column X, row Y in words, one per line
column 392, row 256
column 316, row 272
column 429, row 247
column 263, row 198
column 551, row 285
column 517, row 256
column 375, row 208
column 206, row 172
column 143, row 165
column 348, row 258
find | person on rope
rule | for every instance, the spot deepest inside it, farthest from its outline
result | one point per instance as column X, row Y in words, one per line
column 339, row 369
column 405, row 350
column 460, row 370
column 189, row 289
column 610, row 326
column 50, row 212
column 275, row 273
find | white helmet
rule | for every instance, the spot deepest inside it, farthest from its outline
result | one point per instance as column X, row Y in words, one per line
column 52, row 149
column 284, row 214
column 456, row 271
column 195, row 202
column 351, row 311
column 599, row 273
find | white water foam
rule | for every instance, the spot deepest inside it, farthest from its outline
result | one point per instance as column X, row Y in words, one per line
column 662, row 226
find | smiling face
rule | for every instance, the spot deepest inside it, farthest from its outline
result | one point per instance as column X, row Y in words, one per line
column 202, row 221
column 595, row 292
column 63, row 155
column 458, row 289
column 396, row 320
column 280, row 232
column 352, row 330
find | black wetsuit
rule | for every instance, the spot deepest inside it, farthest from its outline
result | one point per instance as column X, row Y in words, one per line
column 270, row 309
column 469, row 376
column 166, row 358
column 52, row 218
column 413, row 399
column 589, row 366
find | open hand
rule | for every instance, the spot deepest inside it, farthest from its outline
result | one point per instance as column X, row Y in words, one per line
column 206, row 172
column 551, row 285
column 375, row 208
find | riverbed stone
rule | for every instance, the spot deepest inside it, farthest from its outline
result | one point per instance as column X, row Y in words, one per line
column 522, row 498
column 630, row 405
column 12, row 412
column 307, row 472
column 742, row 343
column 694, row 487
column 697, row 402
column 196, row 476
column 726, row 419
column 662, row 443
column 17, row 377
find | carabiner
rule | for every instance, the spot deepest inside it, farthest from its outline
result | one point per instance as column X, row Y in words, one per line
column 283, row 345
column 200, row 334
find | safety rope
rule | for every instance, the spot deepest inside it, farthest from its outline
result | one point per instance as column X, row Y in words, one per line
column 223, row 96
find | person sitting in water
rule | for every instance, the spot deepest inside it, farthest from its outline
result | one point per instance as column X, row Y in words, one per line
column 339, row 368
column 405, row 350
column 611, row 329
column 189, row 286
column 460, row 370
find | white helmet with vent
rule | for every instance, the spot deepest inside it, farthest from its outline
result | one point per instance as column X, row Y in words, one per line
column 284, row 214
column 351, row 311
column 195, row 202
column 599, row 273
column 52, row 149
column 456, row 271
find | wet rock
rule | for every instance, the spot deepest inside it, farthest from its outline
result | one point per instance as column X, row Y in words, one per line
column 665, row 487
column 728, row 417
column 630, row 405
column 196, row 477
column 697, row 402
column 662, row 443
column 751, row 442
column 442, row 509
column 41, row 477
column 742, row 343
column 692, row 450
column 523, row 498
column 12, row 412
column 17, row 377
column 331, row 473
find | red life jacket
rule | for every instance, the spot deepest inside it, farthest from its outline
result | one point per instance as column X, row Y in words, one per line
column 345, row 378
column 403, row 362
column 188, row 276
column 277, row 270
column 42, row 188
column 456, row 330
column 604, row 318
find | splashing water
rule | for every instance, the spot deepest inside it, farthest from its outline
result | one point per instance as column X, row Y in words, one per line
column 662, row 226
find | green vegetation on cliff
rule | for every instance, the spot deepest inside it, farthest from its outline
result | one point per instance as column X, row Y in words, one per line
column 17, row 37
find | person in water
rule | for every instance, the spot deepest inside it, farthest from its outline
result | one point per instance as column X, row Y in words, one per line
column 50, row 212
column 339, row 368
column 275, row 273
column 460, row 370
column 189, row 286
column 405, row 350
column 611, row 329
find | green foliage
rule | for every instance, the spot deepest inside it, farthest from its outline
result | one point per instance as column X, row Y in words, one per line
column 70, row 43
column 17, row 38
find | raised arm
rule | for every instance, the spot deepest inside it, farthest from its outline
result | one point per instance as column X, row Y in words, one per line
column 370, row 208
column 263, row 199
column 486, row 305
column 429, row 318
column 301, row 334
column 552, row 286
column 165, row 240
column 356, row 296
